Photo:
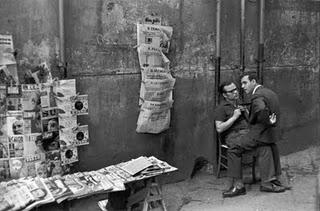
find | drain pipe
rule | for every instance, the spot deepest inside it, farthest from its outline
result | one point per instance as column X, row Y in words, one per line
column 242, row 36
column 217, row 59
column 62, row 64
column 261, row 42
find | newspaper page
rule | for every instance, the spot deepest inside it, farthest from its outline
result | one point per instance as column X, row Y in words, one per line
column 6, row 50
column 150, row 56
column 155, row 35
column 153, row 121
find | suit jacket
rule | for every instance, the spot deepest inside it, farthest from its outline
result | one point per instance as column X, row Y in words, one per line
column 264, row 102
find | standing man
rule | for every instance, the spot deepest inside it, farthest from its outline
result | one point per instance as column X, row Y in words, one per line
column 264, row 116
column 232, row 126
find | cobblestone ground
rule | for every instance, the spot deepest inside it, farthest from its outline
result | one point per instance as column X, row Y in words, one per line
column 204, row 191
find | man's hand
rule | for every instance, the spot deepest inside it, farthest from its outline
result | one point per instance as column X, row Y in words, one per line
column 273, row 119
column 236, row 113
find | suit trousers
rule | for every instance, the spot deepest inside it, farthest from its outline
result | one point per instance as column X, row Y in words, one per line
column 265, row 157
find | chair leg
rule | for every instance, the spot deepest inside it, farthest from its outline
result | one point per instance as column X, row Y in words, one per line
column 254, row 180
column 219, row 162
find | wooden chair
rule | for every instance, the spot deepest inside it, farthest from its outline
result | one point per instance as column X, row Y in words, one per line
column 223, row 159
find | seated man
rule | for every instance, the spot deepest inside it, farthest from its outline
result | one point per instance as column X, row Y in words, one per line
column 231, row 123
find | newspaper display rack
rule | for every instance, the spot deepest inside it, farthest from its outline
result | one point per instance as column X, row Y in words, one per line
column 29, row 192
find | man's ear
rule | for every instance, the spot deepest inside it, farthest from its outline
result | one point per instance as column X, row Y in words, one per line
column 224, row 95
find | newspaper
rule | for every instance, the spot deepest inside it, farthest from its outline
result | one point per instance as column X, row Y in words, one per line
column 136, row 165
column 155, row 35
column 6, row 50
column 155, row 73
column 150, row 56
column 153, row 121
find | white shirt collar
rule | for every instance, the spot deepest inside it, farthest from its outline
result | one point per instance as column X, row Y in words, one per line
column 255, row 89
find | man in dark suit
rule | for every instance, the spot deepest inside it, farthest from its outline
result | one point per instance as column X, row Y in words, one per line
column 263, row 131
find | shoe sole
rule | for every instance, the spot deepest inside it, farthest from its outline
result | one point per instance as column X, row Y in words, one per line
column 272, row 191
column 244, row 193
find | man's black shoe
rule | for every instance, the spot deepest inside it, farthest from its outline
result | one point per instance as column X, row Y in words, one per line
column 278, row 183
column 271, row 187
column 234, row 191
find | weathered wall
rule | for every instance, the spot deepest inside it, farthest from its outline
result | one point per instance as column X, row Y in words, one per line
column 101, row 34
column 34, row 26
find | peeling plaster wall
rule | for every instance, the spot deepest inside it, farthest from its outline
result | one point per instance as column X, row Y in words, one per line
column 34, row 26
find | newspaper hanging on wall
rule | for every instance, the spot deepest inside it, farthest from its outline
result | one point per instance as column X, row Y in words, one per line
column 157, row 83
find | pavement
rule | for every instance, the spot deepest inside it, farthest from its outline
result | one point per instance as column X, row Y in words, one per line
column 204, row 191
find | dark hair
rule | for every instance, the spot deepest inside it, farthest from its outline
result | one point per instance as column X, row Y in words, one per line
column 223, row 84
column 251, row 76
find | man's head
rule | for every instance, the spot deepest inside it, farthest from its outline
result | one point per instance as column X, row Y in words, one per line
column 229, row 91
column 248, row 82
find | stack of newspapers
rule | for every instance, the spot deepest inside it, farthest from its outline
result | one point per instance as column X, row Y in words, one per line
column 29, row 192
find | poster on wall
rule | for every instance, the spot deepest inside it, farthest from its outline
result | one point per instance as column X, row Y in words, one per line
column 76, row 136
column 16, row 146
column 79, row 105
column 69, row 155
column 6, row 50
column 30, row 97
